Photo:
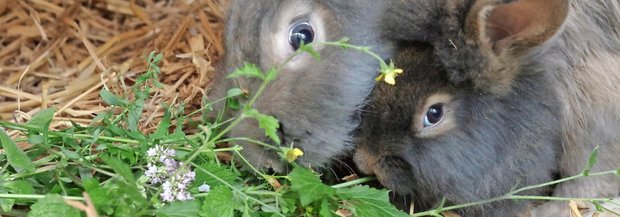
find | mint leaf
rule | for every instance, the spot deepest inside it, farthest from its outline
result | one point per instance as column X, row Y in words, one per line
column 119, row 167
column 16, row 157
column 592, row 161
column 365, row 201
column 221, row 172
column 189, row 208
column 309, row 186
column 249, row 71
column 266, row 122
column 42, row 119
column 111, row 99
column 218, row 203
column 52, row 206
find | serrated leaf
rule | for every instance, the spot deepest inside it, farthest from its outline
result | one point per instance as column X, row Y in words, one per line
column 189, row 208
column 52, row 206
column 42, row 119
column 111, row 98
column 16, row 157
column 119, row 167
column 223, row 173
column 218, row 203
column 309, row 186
column 591, row 161
column 248, row 70
column 267, row 123
column 368, row 202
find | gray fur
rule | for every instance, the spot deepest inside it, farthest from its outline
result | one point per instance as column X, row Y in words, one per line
column 315, row 102
column 563, row 100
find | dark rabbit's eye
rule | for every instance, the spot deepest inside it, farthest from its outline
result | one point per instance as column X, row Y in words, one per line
column 434, row 114
column 301, row 32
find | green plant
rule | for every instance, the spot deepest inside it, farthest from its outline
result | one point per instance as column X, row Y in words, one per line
column 125, row 172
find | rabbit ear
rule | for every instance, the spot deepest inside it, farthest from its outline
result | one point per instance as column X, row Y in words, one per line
column 517, row 26
column 506, row 33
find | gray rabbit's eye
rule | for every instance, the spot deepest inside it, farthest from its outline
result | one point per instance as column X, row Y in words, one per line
column 434, row 115
column 301, row 32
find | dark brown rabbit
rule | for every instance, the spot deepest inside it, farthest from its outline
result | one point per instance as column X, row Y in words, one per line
column 497, row 95
column 316, row 102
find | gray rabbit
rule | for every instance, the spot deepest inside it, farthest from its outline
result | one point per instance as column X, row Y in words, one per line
column 497, row 95
column 316, row 102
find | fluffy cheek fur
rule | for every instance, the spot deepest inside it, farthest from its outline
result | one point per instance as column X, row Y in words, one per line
column 315, row 101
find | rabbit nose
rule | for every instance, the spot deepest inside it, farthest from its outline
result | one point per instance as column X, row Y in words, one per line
column 365, row 160
column 395, row 173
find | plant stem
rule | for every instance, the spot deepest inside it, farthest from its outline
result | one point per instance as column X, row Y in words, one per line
column 512, row 195
column 354, row 182
column 36, row 196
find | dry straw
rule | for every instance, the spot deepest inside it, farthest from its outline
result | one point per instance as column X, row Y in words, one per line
column 60, row 53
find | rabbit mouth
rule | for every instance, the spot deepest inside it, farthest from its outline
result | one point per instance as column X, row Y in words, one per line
column 395, row 173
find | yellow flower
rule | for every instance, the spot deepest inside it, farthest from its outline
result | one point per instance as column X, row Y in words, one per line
column 292, row 154
column 389, row 75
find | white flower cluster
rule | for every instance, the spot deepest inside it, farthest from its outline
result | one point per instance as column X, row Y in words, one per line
column 174, row 177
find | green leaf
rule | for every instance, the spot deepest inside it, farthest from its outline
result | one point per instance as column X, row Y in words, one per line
column 119, row 167
column 267, row 123
column 52, row 206
column 111, row 99
column 20, row 187
column 42, row 119
column 189, row 208
column 310, row 50
column 325, row 211
column 592, row 161
column 221, row 172
column 218, row 203
column 309, row 186
column 234, row 92
column 164, row 126
column 70, row 154
column 365, row 201
column 16, row 157
column 7, row 204
column 97, row 194
column 249, row 71
column 271, row 74
column 134, row 115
